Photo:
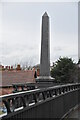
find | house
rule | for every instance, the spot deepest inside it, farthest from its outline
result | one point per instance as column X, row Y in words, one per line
column 14, row 76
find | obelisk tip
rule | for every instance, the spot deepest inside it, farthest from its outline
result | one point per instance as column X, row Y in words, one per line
column 45, row 14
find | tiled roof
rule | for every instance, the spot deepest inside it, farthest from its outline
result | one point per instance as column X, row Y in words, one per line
column 11, row 77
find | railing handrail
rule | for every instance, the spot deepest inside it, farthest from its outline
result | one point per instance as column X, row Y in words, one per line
column 36, row 90
column 34, row 94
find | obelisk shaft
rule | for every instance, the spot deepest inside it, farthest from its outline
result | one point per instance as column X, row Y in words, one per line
column 45, row 47
column 45, row 80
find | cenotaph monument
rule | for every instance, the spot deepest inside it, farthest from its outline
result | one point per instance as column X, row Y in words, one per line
column 45, row 52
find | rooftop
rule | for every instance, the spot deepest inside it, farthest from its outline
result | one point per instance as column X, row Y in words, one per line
column 11, row 77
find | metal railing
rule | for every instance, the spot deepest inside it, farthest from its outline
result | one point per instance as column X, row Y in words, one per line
column 16, row 101
column 19, row 87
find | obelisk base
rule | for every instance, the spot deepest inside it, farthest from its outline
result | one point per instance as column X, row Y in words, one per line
column 45, row 81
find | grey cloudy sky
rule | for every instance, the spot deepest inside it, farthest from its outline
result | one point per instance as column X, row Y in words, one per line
column 20, row 31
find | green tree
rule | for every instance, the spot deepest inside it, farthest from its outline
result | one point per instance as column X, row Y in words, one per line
column 63, row 70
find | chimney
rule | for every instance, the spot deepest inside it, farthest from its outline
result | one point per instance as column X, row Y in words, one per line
column 2, row 67
column 11, row 67
column 18, row 67
column 6, row 67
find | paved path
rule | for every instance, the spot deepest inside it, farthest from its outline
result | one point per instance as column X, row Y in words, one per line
column 75, row 114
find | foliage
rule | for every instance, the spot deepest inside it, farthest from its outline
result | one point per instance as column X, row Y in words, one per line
column 63, row 70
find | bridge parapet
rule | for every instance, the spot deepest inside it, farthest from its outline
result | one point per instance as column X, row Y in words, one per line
column 19, row 101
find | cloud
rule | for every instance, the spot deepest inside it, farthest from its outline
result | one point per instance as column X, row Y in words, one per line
column 21, row 33
column 58, row 48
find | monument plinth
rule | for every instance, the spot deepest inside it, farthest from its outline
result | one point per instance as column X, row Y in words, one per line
column 45, row 52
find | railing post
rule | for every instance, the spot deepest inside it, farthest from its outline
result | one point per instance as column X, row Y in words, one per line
column 44, row 95
column 63, row 89
column 69, row 88
column 35, row 97
column 13, row 103
column 27, row 100
column 22, row 87
column 7, row 104
column 23, row 101
column 50, row 92
column 55, row 91
column 59, row 90
column 15, row 88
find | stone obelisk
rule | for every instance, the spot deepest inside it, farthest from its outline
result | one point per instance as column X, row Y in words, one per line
column 45, row 52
